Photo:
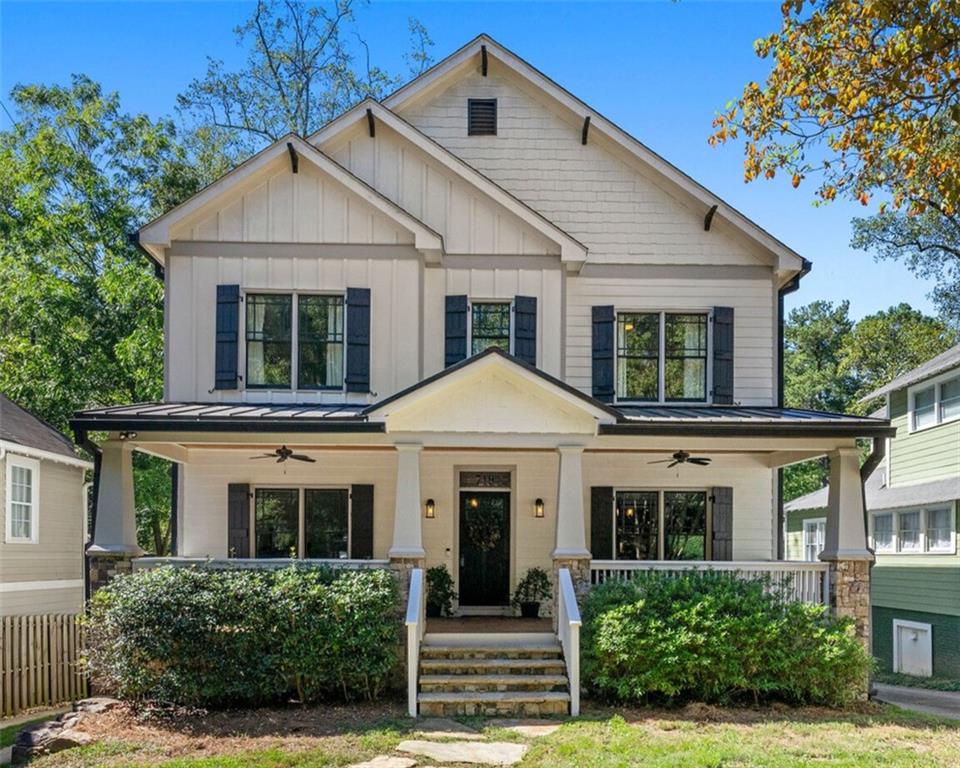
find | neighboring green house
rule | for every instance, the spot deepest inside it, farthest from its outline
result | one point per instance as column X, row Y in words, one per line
column 912, row 502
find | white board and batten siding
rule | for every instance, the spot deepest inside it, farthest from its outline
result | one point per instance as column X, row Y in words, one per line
column 46, row 576
column 469, row 221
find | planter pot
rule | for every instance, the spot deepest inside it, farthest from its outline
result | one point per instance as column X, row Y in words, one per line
column 530, row 610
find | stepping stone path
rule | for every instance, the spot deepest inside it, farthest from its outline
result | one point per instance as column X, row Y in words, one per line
column 476, row 752
column 463, row 744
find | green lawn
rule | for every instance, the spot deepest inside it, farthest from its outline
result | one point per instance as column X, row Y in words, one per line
column 698, row 737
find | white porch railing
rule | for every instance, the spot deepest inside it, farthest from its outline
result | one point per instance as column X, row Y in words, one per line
column 801, row 581
column 568, row 633
column 416, row 623
column 253, row 563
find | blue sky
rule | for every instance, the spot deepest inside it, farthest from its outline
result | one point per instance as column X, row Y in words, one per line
column 659, row 70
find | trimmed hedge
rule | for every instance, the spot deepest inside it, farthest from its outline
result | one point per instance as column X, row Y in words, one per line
column 212, row 638
column 712, row 637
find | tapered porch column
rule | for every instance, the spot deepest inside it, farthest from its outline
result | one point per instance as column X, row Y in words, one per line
column 845, row 544
column 115, row 532
column 570, row 550
column 407, row 529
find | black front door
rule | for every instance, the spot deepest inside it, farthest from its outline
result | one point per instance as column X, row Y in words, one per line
column 484, row 548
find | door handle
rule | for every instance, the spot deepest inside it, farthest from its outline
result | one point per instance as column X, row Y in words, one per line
column 462, row 561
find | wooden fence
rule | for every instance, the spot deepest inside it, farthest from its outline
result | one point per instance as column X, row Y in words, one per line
column 40, row 661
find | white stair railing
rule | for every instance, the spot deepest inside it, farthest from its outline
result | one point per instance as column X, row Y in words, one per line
column 568, row 633
column 416, row 623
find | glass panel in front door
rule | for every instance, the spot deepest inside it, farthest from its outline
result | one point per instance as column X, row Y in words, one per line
column 484, row 548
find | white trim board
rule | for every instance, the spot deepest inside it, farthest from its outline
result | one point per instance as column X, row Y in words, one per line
column 37, row 453
column 34, row 586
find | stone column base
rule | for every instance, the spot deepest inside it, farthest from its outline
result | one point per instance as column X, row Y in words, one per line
column 103, row 567
column 850, row 597
column 580, row 573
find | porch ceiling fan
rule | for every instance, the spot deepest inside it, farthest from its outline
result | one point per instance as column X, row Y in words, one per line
column 682, row 457
column 282, row 454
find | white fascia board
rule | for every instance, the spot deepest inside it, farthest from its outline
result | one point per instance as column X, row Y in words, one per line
column 785, row 257
column 155, row 236
column 571, row 250
column 36, row 453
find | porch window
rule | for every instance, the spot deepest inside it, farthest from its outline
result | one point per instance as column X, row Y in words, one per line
column 814, row 535
column 662, row 357
column 939, row 529
column 302, row 522
column 269, row 324
column 277, row 522
column 640, row 516
column 883, row 533
column 489, row 326
column 22, row 502
column 320, row 342
column 908, row 531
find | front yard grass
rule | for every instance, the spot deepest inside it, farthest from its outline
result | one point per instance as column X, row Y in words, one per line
column 695, row 737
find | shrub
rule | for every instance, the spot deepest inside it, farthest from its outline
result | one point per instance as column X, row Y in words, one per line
column 202, row 637
column 712, row 637
column 440, row 591
column 534, row 587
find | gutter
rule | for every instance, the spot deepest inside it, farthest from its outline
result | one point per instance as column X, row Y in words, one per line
column 790, row 287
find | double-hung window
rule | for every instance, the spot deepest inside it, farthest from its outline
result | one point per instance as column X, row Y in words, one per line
column 662, row 357
column 23, row 478
column 935, row 403
column 302, row 522
column 294, row 338
column 660, row 525
column 914, row 531
column 814, row 534
column 489, row 326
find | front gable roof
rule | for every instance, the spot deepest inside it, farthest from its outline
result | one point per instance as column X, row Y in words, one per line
column 572, row 251
column 942, row 363
column 488, row 393
column 464, row 60
column 156, row 236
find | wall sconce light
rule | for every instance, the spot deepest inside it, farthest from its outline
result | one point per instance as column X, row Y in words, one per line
column 431, row 509
column 538, row 508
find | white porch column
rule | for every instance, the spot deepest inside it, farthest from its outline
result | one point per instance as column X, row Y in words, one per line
column 846, row 534
column 116, row 524
column 571, row 539
column 845, row 545
column 407, row 529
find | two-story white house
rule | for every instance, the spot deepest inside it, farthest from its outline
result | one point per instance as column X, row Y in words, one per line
column 477, row 324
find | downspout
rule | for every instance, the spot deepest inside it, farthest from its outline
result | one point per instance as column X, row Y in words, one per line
column 83, row 440
column 789, row 287
column 877, row 454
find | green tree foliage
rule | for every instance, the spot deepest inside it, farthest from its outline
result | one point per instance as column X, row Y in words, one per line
column 306, row 64
column 81, row 312
column 831, row 363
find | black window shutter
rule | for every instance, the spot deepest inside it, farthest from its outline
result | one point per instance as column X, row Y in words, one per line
column 723, row 355
column 361, row 522
column 603, row 319
column 601, row 522
column 455, row 347
column 228, row 332
column 238, row 520
column 722, row 524
column 358, row 340
column 525, row 328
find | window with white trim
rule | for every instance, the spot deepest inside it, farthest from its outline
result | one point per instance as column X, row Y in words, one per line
column 301, row 522
column 662, row 357
column 660, row 525
column 914, row 531
column 490, row 325
column 814, row 535
column 22, row 507
column 935, row 402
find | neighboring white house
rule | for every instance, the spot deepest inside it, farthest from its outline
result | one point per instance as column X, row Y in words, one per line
column 43, row 505
column 496, row 326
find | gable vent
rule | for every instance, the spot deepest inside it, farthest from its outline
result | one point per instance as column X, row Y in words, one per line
column 481, row 117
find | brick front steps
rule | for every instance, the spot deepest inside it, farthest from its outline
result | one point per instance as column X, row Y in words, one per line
column 505, row 675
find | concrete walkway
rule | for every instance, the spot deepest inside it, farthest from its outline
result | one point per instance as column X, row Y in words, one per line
column 940, row 703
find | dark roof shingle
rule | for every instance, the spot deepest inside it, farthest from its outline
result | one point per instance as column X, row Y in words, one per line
column 18, row 425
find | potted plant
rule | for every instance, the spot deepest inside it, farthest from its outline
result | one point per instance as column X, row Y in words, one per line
column 440, row 592
column 533, row 588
